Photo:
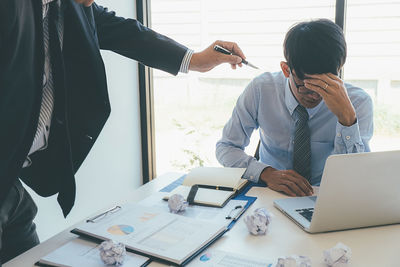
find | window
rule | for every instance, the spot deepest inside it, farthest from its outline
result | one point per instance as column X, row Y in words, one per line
column 373, row 39
column 191, row 110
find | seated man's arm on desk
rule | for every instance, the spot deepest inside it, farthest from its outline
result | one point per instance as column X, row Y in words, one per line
column 353, row 108
column 236, row 136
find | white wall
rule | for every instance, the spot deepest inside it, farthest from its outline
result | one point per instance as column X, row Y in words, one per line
column 113, row 168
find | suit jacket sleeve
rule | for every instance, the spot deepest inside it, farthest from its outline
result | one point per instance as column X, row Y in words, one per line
column 130, row 38
column 1, row 24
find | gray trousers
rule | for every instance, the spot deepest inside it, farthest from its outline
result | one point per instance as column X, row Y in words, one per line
column 17, row 230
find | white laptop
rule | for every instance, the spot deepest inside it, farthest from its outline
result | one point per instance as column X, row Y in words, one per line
column 357, row 190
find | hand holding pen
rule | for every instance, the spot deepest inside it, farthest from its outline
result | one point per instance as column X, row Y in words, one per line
column 209, row 58
column 228, row 52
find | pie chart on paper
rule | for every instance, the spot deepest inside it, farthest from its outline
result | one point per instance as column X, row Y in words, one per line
column 120, row 229
column 205, row 257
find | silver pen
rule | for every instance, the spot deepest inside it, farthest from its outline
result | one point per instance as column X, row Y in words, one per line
column 227, row 52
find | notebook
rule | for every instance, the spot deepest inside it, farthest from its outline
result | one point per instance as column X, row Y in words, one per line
column 147, row 231
column 211, row 186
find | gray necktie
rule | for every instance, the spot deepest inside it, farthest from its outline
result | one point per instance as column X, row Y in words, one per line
column 302, row 143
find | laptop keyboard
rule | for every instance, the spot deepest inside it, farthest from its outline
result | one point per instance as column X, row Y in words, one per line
column 306, row 213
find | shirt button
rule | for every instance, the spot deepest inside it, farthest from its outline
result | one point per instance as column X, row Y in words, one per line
column 347, row 137
column 339, row 135
column 251, row 176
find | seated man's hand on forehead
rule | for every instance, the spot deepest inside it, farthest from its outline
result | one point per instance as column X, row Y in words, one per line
column 334, row 93
column 86, row 3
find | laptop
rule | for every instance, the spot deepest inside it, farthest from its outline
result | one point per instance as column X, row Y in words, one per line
column 357, row 190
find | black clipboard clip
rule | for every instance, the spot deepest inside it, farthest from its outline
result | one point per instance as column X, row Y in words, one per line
column 103, row 215
column 238, row 214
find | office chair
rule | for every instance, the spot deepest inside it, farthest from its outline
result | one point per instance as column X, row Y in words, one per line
column 257, row 153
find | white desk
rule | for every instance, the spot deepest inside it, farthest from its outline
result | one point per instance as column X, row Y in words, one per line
column 377, row 246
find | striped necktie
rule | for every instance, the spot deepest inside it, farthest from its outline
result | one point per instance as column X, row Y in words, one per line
column 302, row 143
column 52, row 32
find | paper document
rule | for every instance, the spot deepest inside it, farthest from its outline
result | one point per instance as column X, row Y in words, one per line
column 153, row 232
column 212, row 214
column 79, row 252
column 219, row 258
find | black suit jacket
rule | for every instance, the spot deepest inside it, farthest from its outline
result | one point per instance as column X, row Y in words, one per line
column 81, row 99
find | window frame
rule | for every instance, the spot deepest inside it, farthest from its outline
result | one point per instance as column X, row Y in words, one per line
column 146, row 103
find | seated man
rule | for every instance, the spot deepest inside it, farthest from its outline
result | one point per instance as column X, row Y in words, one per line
column 305, row 113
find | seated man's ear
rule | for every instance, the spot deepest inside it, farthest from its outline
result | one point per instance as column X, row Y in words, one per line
column 285, row 69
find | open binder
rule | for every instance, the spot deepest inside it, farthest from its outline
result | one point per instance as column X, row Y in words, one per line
column 166, row 237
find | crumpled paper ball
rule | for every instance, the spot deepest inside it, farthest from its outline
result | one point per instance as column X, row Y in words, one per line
column 294, row 261
column 112, row 253
column 338, row 256
column 258, row 222
column 177, row 203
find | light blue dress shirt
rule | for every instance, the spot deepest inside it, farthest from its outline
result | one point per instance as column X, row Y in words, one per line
column 268, row 104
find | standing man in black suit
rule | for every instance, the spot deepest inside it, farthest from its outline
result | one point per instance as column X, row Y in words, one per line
column 54, row 100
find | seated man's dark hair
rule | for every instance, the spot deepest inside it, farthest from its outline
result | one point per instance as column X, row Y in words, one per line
column 315, row 47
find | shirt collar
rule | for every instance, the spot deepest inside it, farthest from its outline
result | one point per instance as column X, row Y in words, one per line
column 291, row 102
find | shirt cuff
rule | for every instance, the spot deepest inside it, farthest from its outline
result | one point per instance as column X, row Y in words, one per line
column 254, row 170
column 348, row 135
column 186, row 61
